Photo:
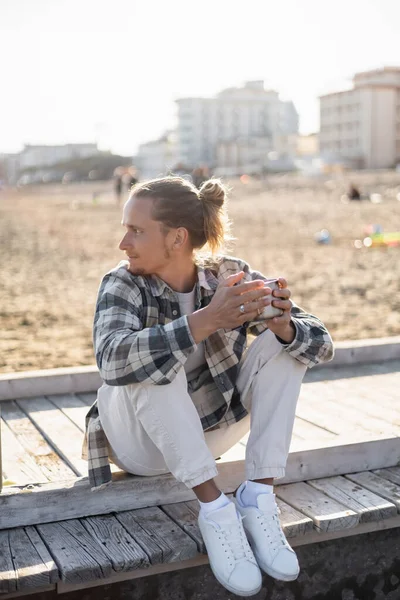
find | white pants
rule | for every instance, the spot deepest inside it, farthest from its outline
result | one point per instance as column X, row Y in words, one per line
column 155, row 429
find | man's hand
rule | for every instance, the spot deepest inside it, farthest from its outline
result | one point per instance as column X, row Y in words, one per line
column 233, row 304
column 282, row 326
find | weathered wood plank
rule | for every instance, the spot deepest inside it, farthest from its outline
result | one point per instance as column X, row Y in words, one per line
column 294, row 523
column 78, row 556
column 8, row 576
column 63, row 435
column 47, row 461
column 44, row 554
column 326, row 513
column 368, row 505
column 145, row 540
column 186, row 518
column 18, row 466
column 174, row 543
column 30, row 570
column 121, row 548
column 67, row 500
column 72, row 407
column 390, row 473
column 378, row 485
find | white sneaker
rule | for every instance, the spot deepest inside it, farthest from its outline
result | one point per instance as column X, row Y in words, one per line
column 267, row 540
column 229, row 553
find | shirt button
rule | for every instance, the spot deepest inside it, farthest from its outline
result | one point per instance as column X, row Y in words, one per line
column 174, row 312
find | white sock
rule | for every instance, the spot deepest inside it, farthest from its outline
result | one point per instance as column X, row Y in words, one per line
column 249, row 490
column 207, row 507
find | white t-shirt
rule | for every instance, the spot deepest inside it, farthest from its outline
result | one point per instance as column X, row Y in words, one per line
column 196, row 359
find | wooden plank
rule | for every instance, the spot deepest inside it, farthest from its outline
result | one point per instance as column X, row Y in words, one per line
column 174, row 543
column 44, row 554
column 67, row 380
column 18, row 466
column 341, row 419
column 67, row 500
column 8, row 576
column 310, row 431
column 377, row 406
column 368, row 505
column 47, row 461
column 30, row 570
column 326, row 513
column 294, row 523
column 58, row 431
column 145, row 540
column 78, row 556
column 378, row 485
column 200, row 559
column 72, row 407
column 316, row 537
column 186, row 517
column 88, row 399
column 391, row 473
column 119, row 546
column 343, row 403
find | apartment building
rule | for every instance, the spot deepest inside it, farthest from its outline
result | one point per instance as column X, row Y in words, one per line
column 155, row 158
column 361, row 126
column 236, row 129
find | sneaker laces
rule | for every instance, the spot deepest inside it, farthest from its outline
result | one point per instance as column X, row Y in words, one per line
column 272, row 527
column 236, row 539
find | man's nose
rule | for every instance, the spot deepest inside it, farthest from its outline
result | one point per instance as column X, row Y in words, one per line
column 126, row 242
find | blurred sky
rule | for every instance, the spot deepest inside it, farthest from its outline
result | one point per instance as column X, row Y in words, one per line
column 81, row 70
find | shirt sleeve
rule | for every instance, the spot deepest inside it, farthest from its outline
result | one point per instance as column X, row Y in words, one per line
column 312, row 344
column 126, row 351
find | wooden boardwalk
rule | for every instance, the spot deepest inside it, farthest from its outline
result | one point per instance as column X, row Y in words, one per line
column 42, row 439
column 42, row 436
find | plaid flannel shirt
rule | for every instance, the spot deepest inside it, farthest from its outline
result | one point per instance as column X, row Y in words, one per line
column 140, row 337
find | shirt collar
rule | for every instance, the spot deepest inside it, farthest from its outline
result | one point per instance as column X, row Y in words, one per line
column 206, row 280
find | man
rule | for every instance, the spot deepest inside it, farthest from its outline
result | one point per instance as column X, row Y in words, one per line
column 180, row 387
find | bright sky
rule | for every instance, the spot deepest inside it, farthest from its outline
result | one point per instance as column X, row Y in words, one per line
column 81, row 70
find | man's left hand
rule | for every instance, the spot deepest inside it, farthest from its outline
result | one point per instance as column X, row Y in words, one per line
column 282, row 326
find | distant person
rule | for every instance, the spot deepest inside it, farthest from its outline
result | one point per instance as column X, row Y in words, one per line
column 117, row 176
column 199, row 176
column 131, row 178
column 180, row 382
column 354, row 193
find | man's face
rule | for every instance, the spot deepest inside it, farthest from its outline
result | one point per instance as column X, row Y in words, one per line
column 145, row 242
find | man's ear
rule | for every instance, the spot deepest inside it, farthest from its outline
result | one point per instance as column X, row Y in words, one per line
column 181, row 237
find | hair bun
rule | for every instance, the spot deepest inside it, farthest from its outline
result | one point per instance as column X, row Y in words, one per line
column 213, row 191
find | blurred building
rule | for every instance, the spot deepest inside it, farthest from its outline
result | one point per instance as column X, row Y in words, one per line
column 157, row 157
column 45, row 156
column 360, row 127
column 236, row 130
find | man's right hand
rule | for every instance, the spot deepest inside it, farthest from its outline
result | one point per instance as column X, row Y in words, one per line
column 224, row 312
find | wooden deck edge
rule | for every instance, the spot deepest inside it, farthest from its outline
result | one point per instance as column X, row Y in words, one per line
column 27, row 384
column 313, row 537
column 49, row 502
column 202, row 559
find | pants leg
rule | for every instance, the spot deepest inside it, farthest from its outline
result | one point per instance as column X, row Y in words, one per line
column 269, row 382
column 155, row 429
